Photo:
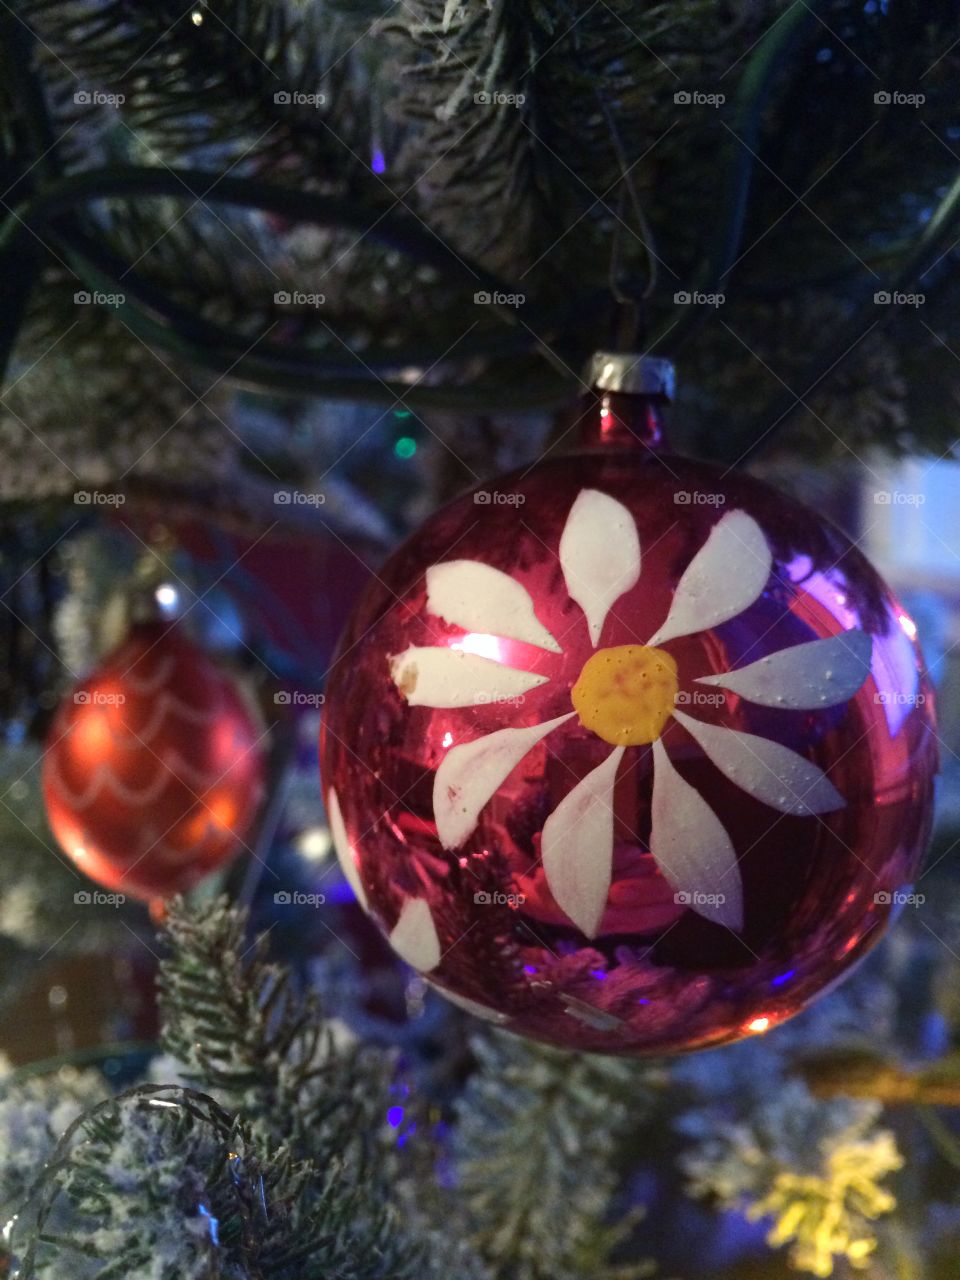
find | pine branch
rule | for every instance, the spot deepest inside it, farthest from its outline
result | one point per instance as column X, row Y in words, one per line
column 515, row 103
column 817, row 1170
column 37, row 881
column 240, row 80
column 234, row 1024
column 535, row 1140
column 532, row 187
column 92, row 403
column 861, row 1073
column 275, row 1169
column 163, row 1182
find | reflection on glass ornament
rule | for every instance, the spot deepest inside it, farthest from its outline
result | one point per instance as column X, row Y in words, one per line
column 314, row 844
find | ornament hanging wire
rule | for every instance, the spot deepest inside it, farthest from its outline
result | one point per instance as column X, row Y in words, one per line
column 628, row 187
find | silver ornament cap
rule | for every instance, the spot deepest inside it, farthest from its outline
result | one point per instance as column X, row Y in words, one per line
column 631, row 373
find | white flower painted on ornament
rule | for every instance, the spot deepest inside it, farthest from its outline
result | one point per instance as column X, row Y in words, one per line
column 626, row 695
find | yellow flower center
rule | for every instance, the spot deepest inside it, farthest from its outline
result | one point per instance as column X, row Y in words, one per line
column 626, row 694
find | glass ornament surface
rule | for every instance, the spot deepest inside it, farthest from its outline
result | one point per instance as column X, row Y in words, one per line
column 628, row 753
column 154, row 766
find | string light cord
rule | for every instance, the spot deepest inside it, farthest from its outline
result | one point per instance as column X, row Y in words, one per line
column 761, row 74
column 156, row 317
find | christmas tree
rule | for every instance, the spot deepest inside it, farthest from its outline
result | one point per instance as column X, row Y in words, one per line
column 281, row 278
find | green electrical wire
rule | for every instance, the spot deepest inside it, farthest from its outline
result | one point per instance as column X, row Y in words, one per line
column 157, row 319
column 764, row 67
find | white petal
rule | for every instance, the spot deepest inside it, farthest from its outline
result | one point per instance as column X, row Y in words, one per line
column 817, row 674
column 470, row 773
column 725, row 577
column 691, row 847
column 434, row 676
column 414, row 936
column 766, row 770
column 577, row 846
column 600, row 555
column 478, row 597
column 345, row 853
